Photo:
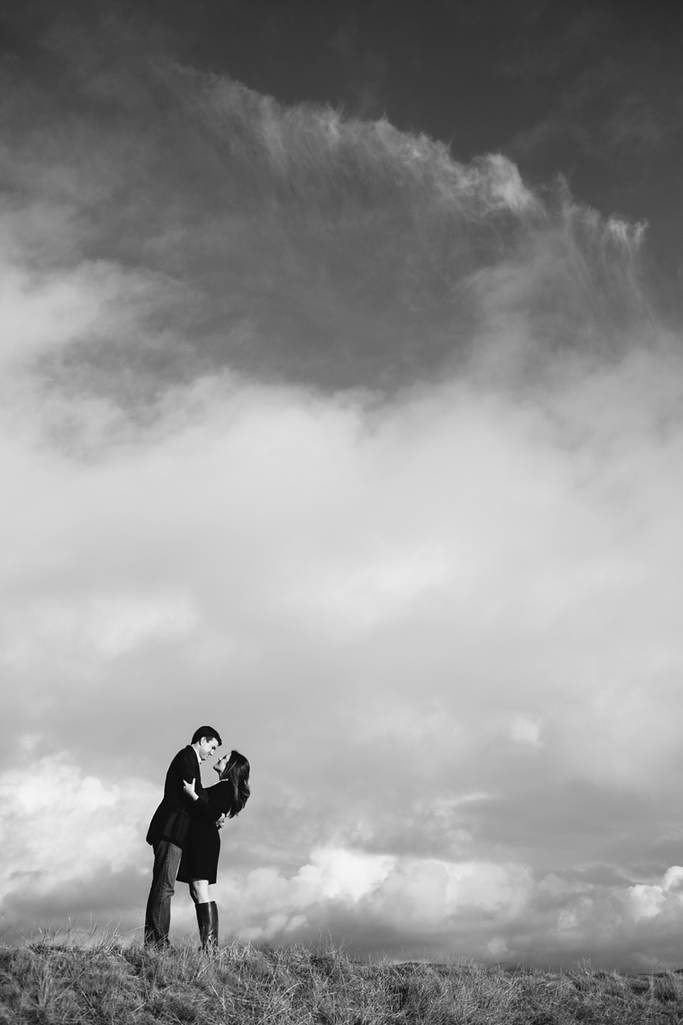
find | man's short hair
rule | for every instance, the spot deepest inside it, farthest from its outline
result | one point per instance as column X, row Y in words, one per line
column 208, row 732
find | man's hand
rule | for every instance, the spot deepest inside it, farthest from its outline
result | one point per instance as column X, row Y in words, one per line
column 220, row 821
column 189, row 789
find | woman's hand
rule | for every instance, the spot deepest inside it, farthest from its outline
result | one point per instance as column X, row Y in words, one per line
column 190, row 790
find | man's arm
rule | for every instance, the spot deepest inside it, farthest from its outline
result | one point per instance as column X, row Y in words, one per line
column 184, row 768
column 201, row 805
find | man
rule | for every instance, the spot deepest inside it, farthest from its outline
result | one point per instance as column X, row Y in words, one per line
column 168, row 829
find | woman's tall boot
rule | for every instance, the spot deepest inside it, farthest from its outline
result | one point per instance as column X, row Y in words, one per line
column 207, row 920
column 213, row 924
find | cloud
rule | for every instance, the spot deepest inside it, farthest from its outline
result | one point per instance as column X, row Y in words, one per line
column 423, row 622
column 424, row 896
column 419, row 908
column 226, row 232
column 605, row 83
column 371, row 459
column 65, row 833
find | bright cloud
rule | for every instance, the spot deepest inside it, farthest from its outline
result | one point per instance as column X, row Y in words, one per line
column 62, row 831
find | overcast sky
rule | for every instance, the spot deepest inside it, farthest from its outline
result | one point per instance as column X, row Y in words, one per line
column 342, row 409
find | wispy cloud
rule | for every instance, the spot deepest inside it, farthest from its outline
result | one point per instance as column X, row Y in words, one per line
column 226, row 231
column 606, row 110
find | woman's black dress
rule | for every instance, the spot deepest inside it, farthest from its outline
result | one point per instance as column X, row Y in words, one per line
column 203, row 843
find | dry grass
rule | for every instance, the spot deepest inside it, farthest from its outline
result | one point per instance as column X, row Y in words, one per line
column 107, row 982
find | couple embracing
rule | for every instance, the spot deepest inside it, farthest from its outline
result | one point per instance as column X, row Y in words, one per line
column 184, row 833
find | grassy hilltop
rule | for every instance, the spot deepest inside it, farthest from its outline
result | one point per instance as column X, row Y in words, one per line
column 64, row 984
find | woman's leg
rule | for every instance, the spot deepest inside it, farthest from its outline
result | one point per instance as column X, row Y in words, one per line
column 207, row 912
column 199, row 890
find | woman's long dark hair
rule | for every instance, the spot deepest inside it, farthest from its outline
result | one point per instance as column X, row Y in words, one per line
column 236, row 775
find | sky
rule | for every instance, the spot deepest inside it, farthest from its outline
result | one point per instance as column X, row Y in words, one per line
column 342, row 409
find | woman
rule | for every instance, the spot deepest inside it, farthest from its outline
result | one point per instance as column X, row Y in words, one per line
column 199, row 863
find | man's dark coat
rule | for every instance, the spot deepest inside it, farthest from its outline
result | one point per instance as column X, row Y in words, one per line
column 171, row 820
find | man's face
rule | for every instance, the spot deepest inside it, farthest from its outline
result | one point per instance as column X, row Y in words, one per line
column 207, row 748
